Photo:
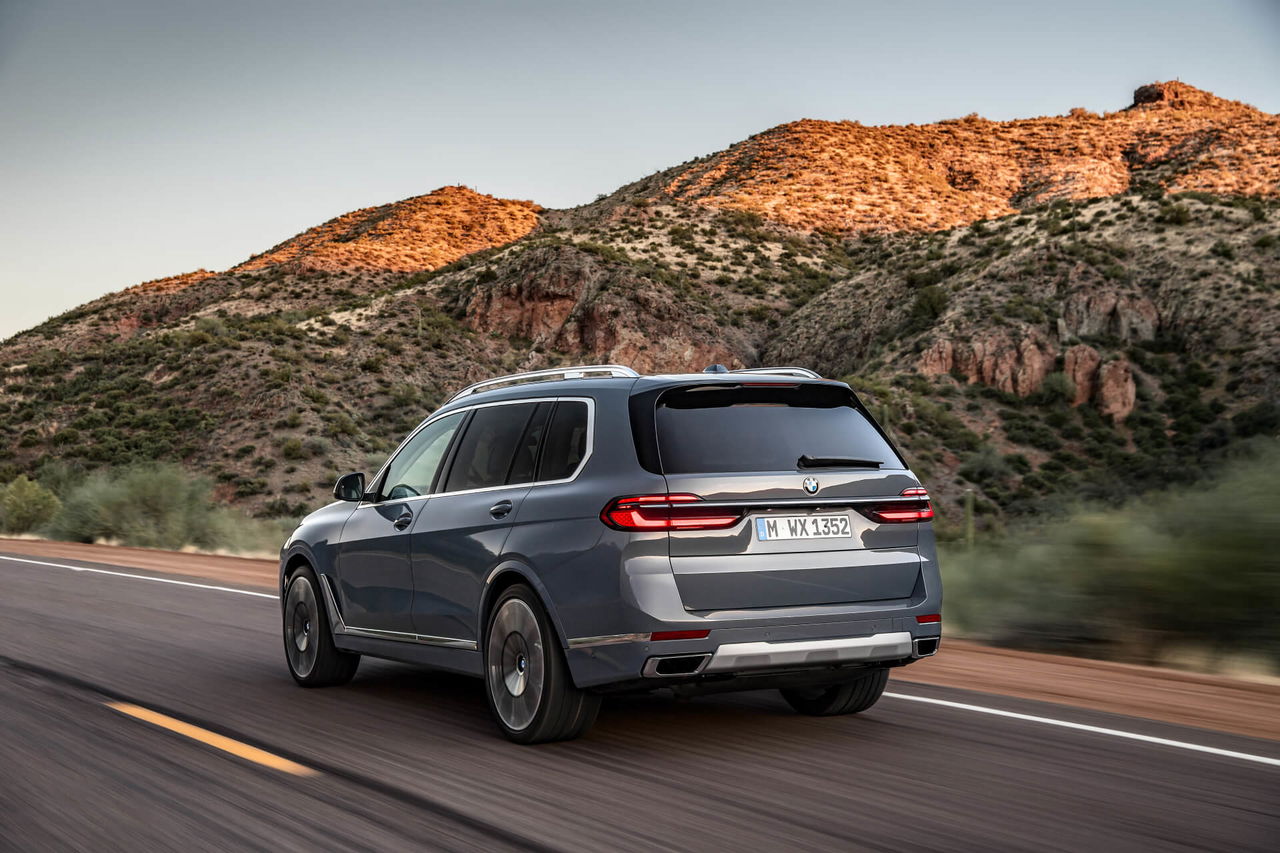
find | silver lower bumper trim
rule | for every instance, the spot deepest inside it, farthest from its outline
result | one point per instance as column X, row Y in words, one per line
column 734, row 657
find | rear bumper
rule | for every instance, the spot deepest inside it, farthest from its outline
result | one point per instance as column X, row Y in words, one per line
column 741, row 657
column 751, row 655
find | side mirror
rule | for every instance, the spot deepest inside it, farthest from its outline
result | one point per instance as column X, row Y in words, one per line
column 350, row 487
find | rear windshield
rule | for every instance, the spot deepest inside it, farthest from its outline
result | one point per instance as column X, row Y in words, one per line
column 723, row 430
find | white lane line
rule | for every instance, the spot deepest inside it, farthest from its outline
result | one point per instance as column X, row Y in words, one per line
column 270, row 595
column 979, row 709
column 1081, row 727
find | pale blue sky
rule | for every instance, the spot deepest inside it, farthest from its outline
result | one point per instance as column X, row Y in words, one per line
column 143, row 139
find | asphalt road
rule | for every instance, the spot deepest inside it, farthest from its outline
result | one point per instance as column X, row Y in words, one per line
column 405, row 759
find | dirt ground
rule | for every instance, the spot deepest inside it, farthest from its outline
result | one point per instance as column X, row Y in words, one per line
column 1207, row 701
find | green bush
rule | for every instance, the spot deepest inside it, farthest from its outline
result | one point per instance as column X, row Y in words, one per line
column 25, row 505
column 930, row 302
column 1056, row 388
column 1198, row 568
column 986, row 467
column 150, row 506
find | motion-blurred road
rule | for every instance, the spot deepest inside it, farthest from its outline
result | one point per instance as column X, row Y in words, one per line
column 403, row 758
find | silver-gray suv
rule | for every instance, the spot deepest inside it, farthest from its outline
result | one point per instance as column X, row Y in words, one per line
column 574, row 532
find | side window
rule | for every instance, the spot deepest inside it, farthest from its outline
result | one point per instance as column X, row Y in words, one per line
column 527, row 449
column 414, row 467
column 566, row 441
column 488, row 447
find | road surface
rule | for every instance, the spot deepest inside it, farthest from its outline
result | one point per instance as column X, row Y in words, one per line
column 142, row 713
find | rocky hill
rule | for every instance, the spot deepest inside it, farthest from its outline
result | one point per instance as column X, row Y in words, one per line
column 1075, row 305
column 844, row 176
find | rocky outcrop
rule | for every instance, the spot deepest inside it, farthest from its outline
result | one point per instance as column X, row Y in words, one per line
column 565, row 300
column 1106, row 312
column 1116, row 392
column 1081, row 367
column 1017, row 365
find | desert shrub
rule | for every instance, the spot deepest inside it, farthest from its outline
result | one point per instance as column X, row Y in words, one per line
column 26, row 505
column 150, row 506
column 1174, row 214
column 1197, row 567
column 928, row 306
column 986, row 467
column 1056, row 388
column 1223, row 249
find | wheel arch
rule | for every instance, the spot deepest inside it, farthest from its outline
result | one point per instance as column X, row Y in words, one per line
column 502, row 577
column 296, row 556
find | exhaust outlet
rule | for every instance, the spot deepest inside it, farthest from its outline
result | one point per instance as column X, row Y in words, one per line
column 924, row 647
column 673, row 665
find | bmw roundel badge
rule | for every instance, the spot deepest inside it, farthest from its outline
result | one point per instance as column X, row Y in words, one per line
column 811, row 485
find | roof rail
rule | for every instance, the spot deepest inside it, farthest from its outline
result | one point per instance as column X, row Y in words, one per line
column 584, row 371
column 782, row 371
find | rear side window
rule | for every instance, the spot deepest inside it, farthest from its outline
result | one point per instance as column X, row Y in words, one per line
column 725, row 430
column 527, row 450
column 488, row 447
column 566, row 441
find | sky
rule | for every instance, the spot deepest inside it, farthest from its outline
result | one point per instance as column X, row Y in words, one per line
column 144, row 139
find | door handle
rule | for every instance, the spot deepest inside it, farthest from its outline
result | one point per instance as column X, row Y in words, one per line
column 403, row 520
column 500, row 509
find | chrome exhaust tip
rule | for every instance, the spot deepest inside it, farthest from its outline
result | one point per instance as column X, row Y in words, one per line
column 925, row 647
column 669, row 666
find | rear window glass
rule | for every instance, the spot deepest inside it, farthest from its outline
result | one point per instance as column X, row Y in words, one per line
column 763, row 429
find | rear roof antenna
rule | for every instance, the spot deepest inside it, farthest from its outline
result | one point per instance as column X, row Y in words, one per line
column 715, row 368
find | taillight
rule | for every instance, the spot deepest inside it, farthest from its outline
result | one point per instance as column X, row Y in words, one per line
column 929, row 619
column 901, row 512
column 666, row 512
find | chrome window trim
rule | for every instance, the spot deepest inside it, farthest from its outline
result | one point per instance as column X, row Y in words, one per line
column 591, row 446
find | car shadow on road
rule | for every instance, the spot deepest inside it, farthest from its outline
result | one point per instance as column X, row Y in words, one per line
column 654, row 721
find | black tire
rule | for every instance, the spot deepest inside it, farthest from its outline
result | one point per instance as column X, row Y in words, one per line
column 848, row 698
column 526, row 679
column 313, row 659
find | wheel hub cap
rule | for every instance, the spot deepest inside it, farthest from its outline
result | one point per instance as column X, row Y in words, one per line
column 302, row 612
column 514, row 664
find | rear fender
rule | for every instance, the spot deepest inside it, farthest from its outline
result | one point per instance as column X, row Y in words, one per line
column 496, row 579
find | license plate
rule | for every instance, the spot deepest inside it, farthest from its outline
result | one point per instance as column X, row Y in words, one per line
column 802, row 527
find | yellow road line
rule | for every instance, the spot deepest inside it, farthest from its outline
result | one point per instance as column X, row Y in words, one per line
column 226, row 744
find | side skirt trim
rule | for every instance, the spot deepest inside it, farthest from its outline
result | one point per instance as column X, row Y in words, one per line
column 341, row 627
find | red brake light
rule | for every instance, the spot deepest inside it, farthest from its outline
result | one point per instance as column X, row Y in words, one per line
column 680, row 635
column 666, row 512
column 903, row 512
column 929, row 618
